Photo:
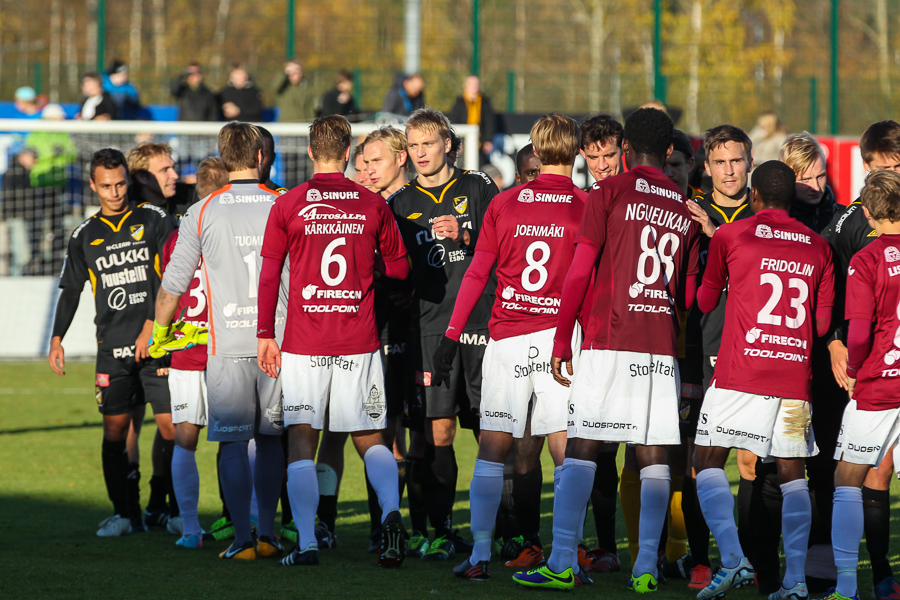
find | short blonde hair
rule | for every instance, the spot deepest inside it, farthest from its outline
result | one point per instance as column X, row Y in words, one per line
column 881, row 195
column 392, row 137
column 799, row 151
column 556, row 139
column 429, row 120
column 239, row 146
column 211, row 176
column 139, row 156
column 329, row 138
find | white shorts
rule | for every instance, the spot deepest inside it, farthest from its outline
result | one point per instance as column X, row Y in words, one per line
column 763, row 425
column 188, row 392
column 350, row 388
column 867, row 435
column 516, row 372
column 242, row 400
column 629, row 397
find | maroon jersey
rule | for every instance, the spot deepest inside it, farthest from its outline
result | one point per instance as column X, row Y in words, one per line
column 193, row 303
column 873, row 293
column 779, row 273
column 331, row 226
column 531, row 229
column 649, row 246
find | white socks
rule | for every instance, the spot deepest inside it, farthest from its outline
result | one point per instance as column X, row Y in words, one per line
column 796, row 519
column 575, row 484
column 186, row 483
column 846, row 534
column 484, row 500
column 717, row 504
column 303, row 491
column 654, row 503
column 381, row 467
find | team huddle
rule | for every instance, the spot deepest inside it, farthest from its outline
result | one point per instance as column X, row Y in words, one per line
column 639, row 311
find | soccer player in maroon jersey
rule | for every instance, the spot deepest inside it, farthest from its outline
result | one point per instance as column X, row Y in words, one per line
column 331, row 227
column 529, row 234
column 782, row 290
column 637, row 235
column 871, row 423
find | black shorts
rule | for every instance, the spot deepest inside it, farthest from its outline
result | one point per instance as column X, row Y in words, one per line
column 463, row 397
column 122, row 383
column 398, row 351
column 709, row 370
column 690, row 369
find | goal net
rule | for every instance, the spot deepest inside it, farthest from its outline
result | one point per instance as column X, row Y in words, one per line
column 44, row 174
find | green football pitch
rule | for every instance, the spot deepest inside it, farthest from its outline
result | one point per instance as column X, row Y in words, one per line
column 52, row 497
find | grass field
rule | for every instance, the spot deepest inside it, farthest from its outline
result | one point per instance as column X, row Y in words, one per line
column 52, row 497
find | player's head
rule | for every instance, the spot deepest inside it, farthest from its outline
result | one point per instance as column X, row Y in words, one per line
column 601, row 145
column 265, row 169
column 385, row 156
column 155, row 159
column 455, row 145
column 109, row 179
column 728, row 160
column 241, row 147
column 802, row 153
column 773, row 186
column 211, row 176
column 428, row 140
column 528, row 165
column 881, row 196
column 681, row 162
column 329, row 141
column 880, row 146
column 556, row 139
column 647, row 137
column 91, row 84
column 359, row 166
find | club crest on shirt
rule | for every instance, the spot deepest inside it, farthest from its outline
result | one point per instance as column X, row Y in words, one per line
column 460, row 204
column 764, row 232
column 526, row 195
column 374, row 404
column 891, row 254
column 313, row 195
column 641, row 185
column 137, row 232
column 226, row 198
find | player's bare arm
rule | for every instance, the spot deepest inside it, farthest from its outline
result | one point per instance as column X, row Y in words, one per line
column 839, row 358
column 556, row 364
column 141, row 350
column 268, row 357
column 57, row 356
column 699, row 215
column 447, row 226
column 166, row 305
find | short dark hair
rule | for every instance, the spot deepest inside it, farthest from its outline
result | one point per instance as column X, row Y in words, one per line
column 455, row 141
column 681, row 143
column 523, row 153
column 881, row 195
column 108, row 158
column 329, row 138
column 723, row 134
column 92, row 75
column 239, row 146
column 882, row 137
column 598, row 128
column 266, row 134
column 775, row 182
column 649, row 132
column 343, row 75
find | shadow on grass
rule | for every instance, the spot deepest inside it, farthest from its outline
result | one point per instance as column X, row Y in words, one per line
column 84, row 425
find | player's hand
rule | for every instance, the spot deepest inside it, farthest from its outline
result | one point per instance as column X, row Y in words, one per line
column 839, row 359
column 268, row 357
column 162, row 372
column 699, row 215
column 443, row 362
column 57, row 356
column 556, row 364
column 447, row 227
column 142, row 343
column 851, row 385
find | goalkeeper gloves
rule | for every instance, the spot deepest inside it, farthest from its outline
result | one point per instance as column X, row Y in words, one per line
column 443, row 362
column 162, row 334
column 180, row 335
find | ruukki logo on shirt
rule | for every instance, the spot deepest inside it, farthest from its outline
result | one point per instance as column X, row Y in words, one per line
column 526, row 196
column 891, row 254
column 764, row 232
column 313, row 195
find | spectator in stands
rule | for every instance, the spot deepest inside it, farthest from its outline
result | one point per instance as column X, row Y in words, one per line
column 17, row 201
column 98, row 105
column 474, row 108
column 294, row 97
column 407, row 95
column 196, row 102
column 26, row 103
column 767, row 136
column 339, row 99
column 240, row 99
column 122, row 91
